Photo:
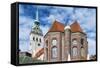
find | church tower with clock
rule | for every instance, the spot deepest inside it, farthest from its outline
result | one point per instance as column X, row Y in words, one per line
column 36, row 39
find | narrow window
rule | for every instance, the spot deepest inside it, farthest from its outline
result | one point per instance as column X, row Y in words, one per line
column 54, row 52
column 82, row 41
column 46, row 43
column 47, row 53
column 75, row 51
column 47, row 49
column 37, row 39
column 33, row 38
column 82, row 52
column 40, row 39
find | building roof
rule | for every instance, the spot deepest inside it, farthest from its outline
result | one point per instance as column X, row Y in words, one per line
column 75, row 27
column 39, row 53
column 57, row 27
column 25, row 54
column 36, row 28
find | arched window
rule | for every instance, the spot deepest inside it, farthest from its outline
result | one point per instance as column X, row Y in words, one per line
column 47, row 53
column 75, row 51
column 47, row 49
column 40, row 39
column 33, row 38
column 82, row 41
column 37, row 39
column 54, row 52
column 46, row 43
column 82, row 52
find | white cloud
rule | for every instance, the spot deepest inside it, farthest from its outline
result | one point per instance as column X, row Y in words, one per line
column 45, row 29
column 21, row 11
column 24, row 33
column 25, row 24
column 48, row 19
column 92, row 46
column 85, row 17
column 23, row 46
column 91, row 35
column 25, row 20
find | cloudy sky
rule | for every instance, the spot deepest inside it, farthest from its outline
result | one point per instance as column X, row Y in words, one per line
column 86, row 17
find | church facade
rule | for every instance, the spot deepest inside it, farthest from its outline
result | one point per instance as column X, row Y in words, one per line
column 65, row 43
column 60, row 43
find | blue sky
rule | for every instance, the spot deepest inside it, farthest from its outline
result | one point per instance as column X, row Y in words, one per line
column 86, row 17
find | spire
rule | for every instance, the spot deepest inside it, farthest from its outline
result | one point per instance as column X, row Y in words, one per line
column 36, row 29
column 37, row 18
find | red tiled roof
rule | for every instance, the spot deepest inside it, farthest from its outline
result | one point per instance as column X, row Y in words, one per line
column 57, row 27
column 75, row 27
column 39, row 53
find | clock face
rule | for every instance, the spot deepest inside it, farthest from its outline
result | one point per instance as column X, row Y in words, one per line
column 54, row 42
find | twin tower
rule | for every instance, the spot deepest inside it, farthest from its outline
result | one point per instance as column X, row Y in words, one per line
column 65, row 43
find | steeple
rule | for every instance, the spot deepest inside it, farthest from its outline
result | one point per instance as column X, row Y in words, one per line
column 37, row 23
column 37, row 18
column 36, row 29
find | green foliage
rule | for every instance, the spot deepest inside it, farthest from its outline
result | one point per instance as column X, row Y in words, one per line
column 27, row 59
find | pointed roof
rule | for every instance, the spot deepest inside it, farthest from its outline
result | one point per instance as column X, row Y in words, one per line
column 37, row 14
column 75, row 27
column 36, row 27
column 57, row 27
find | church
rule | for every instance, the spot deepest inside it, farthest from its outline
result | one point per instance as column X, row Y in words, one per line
column 65, row 43
column 60, row 43
column 36, row 40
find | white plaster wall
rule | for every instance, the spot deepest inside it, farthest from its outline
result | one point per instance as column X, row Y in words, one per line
column 34, row 44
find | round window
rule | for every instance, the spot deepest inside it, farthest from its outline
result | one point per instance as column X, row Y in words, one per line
column 54, row 42
column 74, row 42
